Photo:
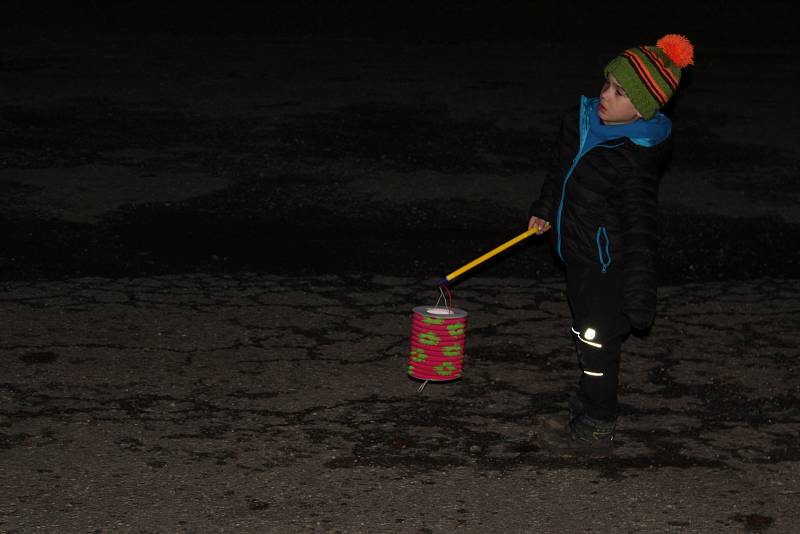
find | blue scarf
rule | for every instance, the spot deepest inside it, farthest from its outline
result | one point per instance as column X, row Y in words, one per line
column 642, row 132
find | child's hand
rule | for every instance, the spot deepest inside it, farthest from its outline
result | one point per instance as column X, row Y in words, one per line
column 541, row 225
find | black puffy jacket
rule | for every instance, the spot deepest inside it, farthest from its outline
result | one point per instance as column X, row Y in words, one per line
column 602, row 204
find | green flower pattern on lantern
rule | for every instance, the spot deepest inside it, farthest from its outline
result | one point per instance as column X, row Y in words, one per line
column 432, row 320
column 451, row 351
column 418, row 355
column 456, row 329
column 445, row 369
column 429, row 338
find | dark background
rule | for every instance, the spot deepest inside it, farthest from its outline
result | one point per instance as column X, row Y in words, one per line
column 712, row 22
column 283, row 209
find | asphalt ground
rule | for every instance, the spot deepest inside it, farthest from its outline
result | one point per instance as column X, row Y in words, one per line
column 213, row 236
column 256, row 403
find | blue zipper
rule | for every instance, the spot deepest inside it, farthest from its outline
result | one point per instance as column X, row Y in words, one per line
column 604, row 261
column 564, row 190
column 584, row 129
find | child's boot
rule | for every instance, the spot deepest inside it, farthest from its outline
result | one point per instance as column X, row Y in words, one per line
column 587, row 431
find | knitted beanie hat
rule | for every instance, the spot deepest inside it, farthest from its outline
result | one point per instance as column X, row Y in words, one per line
column 650, row 74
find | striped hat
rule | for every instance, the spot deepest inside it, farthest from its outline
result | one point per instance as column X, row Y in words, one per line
column 650, row 74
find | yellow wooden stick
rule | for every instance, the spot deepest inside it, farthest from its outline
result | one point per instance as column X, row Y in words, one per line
column 510, row 243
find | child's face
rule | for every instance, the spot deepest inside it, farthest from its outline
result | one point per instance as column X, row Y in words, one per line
column 615, row 106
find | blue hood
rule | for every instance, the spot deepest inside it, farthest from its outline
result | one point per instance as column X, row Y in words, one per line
column 641, row 132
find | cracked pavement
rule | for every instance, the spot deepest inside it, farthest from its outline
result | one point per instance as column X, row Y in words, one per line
column 256, row 402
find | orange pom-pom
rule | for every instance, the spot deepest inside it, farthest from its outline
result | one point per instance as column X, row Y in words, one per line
column 679, row 49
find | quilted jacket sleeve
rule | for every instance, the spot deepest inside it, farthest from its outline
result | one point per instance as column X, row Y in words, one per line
column 639, row 194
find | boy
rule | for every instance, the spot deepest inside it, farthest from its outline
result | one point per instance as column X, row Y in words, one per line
column 602, row 207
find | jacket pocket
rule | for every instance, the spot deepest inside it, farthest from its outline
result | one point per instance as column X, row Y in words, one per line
column 602, row 248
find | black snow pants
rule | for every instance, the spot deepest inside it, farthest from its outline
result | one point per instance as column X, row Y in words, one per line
column 598, row 328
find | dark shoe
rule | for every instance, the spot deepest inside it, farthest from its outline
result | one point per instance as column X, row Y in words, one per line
column 588, row 431
column 581, row 437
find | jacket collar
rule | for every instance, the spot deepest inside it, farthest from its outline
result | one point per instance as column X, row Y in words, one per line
column 641, row 132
